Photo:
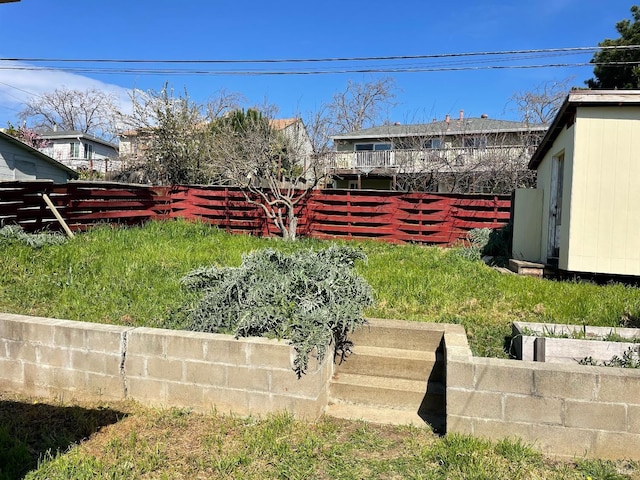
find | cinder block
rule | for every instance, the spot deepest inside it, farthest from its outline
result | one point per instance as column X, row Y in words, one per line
column 53, row 356
column 146, row 341
column 67, row 379
column 633, row 416
column 596, row 416
column 11, row 328
column 529, row 409
column 570, row 384
column 71, row 335
column 185, row 345
column 135, row 366
column 459, row 374
column 104, row 387
column 96, row 362
column 205, row 373
column 105, row 338
column 224, row 400
column 563, row 442
column 620, row 386
column 185, row 395
column 286, row 382
column 496, row 375
column 146, row 390
column 617, row 445
column 301, row 408
column 270, row 353
column 227, row 350
column 497, row 429
column 458, row 424
column 12, row 370
column 170, row 370
column 467, row 403
column 26, row 352
column 248, row 378
column 37, row 332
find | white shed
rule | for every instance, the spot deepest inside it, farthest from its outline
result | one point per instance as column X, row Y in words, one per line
column 584, row 215
column 19, row 161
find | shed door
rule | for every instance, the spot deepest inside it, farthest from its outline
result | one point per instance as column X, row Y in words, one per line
column 555, row 205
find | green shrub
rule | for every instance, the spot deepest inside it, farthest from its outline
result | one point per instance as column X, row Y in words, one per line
column 15, row 234
column 309, row 297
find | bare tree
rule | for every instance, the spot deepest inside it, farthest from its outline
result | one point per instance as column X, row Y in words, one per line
column 273, row 170
column 88, row 111
column 360, row 105
column 541, row 104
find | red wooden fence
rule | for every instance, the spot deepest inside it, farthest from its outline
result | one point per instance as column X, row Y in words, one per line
column 364, row 214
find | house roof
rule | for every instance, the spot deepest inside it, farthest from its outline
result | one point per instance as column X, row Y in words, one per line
column 282, row 123
column 566, row 113
column 38, row 153
column 466, row 126
column 74, row 134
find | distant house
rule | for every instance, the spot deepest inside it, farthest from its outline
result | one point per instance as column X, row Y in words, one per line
column 133, row 144
column 584, row 215
column 452, row 155
column 81, row 151
column 19, row 161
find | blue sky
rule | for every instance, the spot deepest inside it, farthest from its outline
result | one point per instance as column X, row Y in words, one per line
column 284, row 29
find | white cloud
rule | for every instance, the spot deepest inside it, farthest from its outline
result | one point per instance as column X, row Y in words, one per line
column 19, row 82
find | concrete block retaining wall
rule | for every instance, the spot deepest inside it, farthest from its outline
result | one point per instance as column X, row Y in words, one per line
column 564, row 410
column 77, row 360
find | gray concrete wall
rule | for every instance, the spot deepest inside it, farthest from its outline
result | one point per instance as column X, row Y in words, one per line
column 564, row 410
column 77, row 360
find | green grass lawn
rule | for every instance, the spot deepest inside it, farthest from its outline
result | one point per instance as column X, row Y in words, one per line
column 177, row 443
column 131, row 276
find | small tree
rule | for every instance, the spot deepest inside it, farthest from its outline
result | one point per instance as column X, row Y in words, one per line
column 28, row 136
column 272, row 169
column 619, row 67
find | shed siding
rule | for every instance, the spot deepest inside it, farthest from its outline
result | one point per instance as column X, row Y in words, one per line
column 604, row 234
column 19, row 164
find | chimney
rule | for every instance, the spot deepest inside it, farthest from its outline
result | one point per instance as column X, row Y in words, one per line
column 447, row 118
column 461, row 115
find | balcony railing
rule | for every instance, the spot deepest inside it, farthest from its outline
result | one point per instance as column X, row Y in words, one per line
column 415, row 160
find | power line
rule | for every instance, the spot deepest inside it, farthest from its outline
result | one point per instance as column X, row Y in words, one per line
column 329, row 59
column 416, row 69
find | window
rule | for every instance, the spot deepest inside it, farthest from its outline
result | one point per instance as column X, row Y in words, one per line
column 88, row 151
column 368, row 147
column 74, row 150
column 433, row 143
column 474, row 142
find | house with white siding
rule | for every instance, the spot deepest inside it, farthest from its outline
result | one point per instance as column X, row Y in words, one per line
column 81, row 151
column 584, row 214
column 464, row 155
column 19, row 161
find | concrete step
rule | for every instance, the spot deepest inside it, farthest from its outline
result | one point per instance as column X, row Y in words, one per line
column 404, row 335
column 389, row 392
column 393, row 362
column 371, row 414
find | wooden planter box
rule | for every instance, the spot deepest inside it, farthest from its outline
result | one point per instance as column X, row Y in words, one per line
column 543, row 342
